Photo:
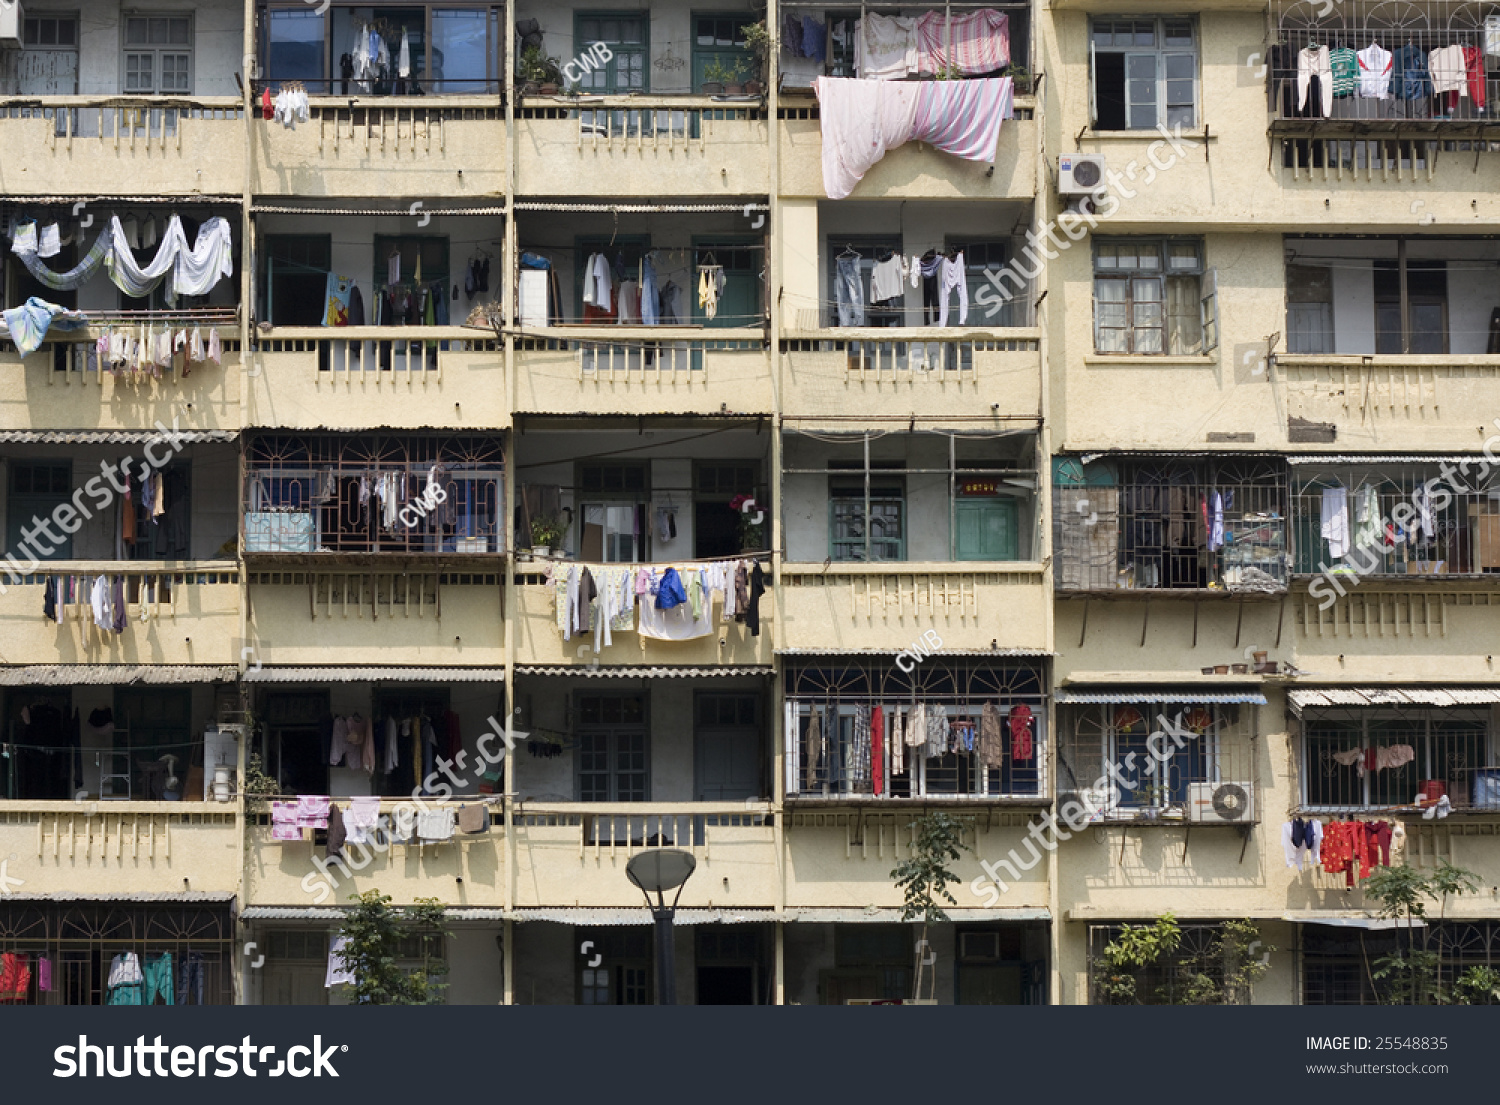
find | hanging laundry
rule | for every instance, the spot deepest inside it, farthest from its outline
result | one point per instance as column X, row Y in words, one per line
column 981, row 42
column 711, row 281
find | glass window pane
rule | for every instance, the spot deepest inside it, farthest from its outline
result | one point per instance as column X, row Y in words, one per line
column 1145, row 34
column 296, row 45
column 1181, row 65
column 460, row 51
column 1177, row 32
column 1183, row 256
column 159, row 32
column 178, row 32
column 135, row 31
column 1180, row 115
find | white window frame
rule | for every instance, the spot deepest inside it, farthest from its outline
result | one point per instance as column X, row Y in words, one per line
column 156, row 51
column 1159, row 54
column 1166, row 270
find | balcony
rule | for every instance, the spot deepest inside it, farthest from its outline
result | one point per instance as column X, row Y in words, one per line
column 643, row 145
column 1138, row 524
column 1159, row 758
column 57, row 388
column 453, row 146
column 653, row 370
column 574, row 854
column 1397, row 753
column 860, row 372
column 303, row 378
column 296, row 872
column 173, row 614
column 146, row 145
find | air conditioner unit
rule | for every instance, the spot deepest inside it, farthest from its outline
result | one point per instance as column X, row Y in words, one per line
column 1080, row 174
column 12, row 18
column 1231, row 803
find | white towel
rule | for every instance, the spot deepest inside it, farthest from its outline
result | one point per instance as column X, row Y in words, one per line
column 1335, row 521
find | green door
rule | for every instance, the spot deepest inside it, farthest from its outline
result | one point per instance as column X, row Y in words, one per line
column 719, row 37
column 986, row 529
column 740, row 301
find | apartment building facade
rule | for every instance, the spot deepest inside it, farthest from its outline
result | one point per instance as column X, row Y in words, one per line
column 1179, row 528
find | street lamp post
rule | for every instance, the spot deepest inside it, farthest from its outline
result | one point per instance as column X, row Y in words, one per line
column 656, row 872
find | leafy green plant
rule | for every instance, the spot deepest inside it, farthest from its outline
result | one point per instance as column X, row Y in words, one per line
column 258, row 786
column 546, row 532
column 716, row 72
column 373, row 933
column 1412, row 974
column 1020, row 77
column 758, row 42
column 924, row 877
column 1477, row 986
column 1223, row 973
column 537, row 68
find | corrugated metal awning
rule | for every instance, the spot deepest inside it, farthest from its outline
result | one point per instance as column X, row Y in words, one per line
column 1194, row 698
column 113, row 437
column 402, row 208
column 1302, row 698
column 1385, row 458
column 104, row 675
column 882, row 916
column 375, row 675
column 622, row 672
column 335, row 914
column 1348, row 921
column 891, row 652
column 641, row 208
column 641, row 916
column 185, row 897
column 187, row 200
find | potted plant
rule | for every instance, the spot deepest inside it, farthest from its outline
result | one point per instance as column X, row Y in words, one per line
column 718, row 77
column 752, row 523
column 546, row 534
column 758, row 42
column 1020, row 78
column 538, row 72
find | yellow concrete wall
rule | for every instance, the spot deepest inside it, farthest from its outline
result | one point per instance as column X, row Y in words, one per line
column 847, row 861
column 539, row 641
column 553, row 381
column 560, row 865
column 915, row 170
column 295, row 873
column 729, row 158
column 205, row 156
column 1379, row 633
column 466, row 392
column 120, row 847
column 409, row 150
column 34, row 397
column 1227, row 629
column 860, row 607
column 814, row 382
column 466, row 631
column 200, row 630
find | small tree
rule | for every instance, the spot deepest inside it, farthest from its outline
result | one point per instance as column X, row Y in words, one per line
column 1477, row 986
column 1223, row 973
column 373, row 933
column 924, row 878
column 1412, row 974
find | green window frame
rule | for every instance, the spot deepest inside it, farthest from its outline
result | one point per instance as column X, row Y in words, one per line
column 860, row 531
column 628, row 36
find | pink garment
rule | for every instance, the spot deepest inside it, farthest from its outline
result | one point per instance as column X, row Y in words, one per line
column 862, row 119
column 312, row 811
column 981, row 42
column 44, row 973
column 339, row 745
column 284, row 823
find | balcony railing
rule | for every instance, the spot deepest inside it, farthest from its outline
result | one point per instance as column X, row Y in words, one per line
column 1393, row 522
column 415, row 495
column 373, row 350
column 1361, row 760
column 621, row 829
column 1147, row 534
column 834, row 753
column 126, row 122
column 1160, row 762
column 669, row 123
column 645, row 359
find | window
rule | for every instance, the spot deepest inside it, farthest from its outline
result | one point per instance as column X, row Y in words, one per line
column 867, row 527
column 716, row 528
column 36, row 489
column 1360, row 758
column 719, row 40
column 1425, row 328
column 1145, row 73
column 159, row 54
column 1153, row 296
column 627, row 35
column 295, row 279
column 612, row 748
column 613, row 512
column 1162, row 783
column 871, row 962
column 1309, row 309
column 426, row 252
column 294, row 46
column 625, row 960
